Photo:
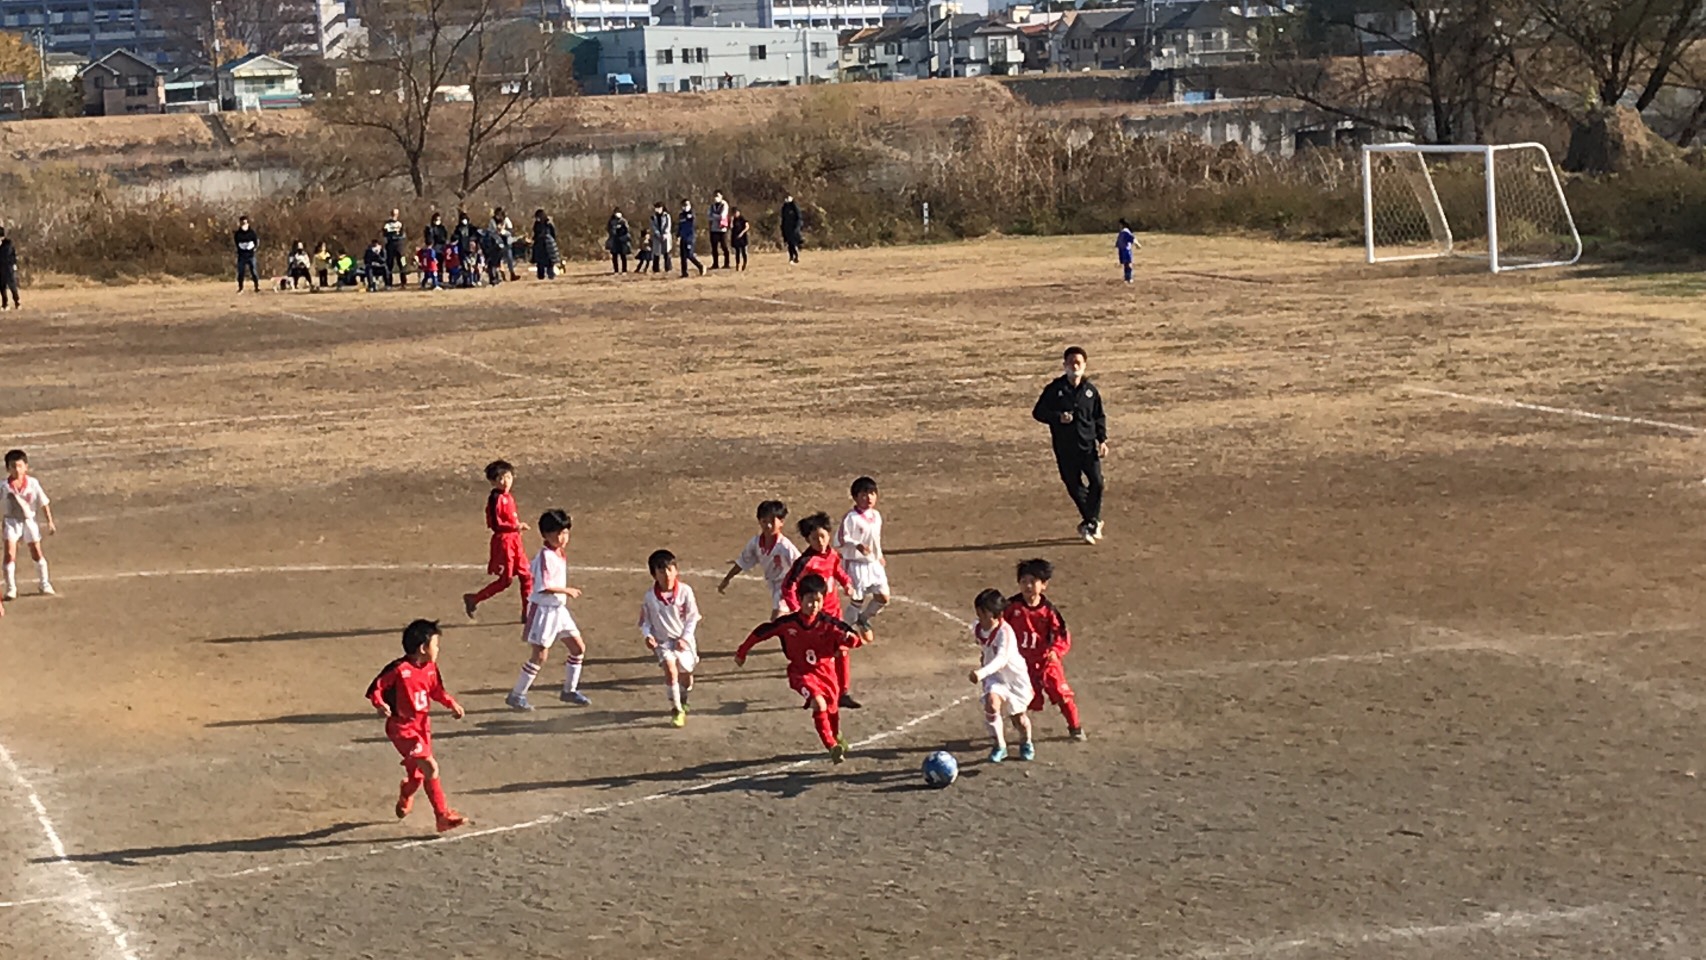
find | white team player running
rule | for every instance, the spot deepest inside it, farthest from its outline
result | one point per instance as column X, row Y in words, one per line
column 1005, row 678
column 548, row 617
column 669, row 617
column 770, row 550
column 24, row 499
column 860, row 540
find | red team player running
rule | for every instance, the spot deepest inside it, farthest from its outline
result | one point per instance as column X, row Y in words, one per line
column 823, row 562
column 813, row 641
column 1043, row 641
column 508, row 557
column 402, row 693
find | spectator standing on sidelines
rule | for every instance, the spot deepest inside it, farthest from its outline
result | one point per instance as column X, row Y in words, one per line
column 437, row 237
column 396, row 250
column 504, row 231
column 247, row 243
column 720, row 230
column 1078, row 428
column 791, row 228
column 8, row 273
column 662, row 231
column 739, row 233
column 544, row 246
column 619, row 241
column 686, row 226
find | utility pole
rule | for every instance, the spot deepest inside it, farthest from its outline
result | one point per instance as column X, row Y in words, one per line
column 41, row 65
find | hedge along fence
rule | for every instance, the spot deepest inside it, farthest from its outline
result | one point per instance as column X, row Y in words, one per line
column 859, row 180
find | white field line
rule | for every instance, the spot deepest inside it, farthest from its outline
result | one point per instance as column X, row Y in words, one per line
column 343, row 412
column 82, row 892
column 473, row 361
column 1494, row 922
column 558, row 817
column 1561, row 411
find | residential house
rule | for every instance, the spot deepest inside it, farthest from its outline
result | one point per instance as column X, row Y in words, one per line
column 1090, row 40
column 1036, row 41
column 14, row 96
column 122, row 82
column 63, row 66
column 896, row 51
column 984, row 46
column 259, row 82
column 1209, row 34
column 192, row 89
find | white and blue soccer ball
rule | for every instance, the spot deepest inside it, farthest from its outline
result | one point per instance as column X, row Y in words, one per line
column 940, row 769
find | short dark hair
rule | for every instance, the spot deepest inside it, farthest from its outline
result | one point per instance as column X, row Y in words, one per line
column 554, row 520
column 1035, row 567
column 659, row 560
column 1123, row 223
column 418, row 634
column 811, row 584
column 864, row 485
column 815, row 522
column 772, row 510
column 990, row 601
column 498, row 468
column 1075, row 350
column 16, row 456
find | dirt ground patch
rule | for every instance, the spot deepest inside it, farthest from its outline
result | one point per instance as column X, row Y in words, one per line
column 1391, row 651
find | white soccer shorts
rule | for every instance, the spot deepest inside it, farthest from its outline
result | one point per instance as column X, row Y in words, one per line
column 547, row 625
column 868, row 577
column 25, row 530
column 684, row 655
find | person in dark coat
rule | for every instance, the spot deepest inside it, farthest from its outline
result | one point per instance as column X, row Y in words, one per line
column 791, row 228
column 396, row 250
column 739, row 231
column 619, row 241
column 247, row 243
column 437, row 237
column 686, row 228
column 1072, row 408
column 544, row 246
column 8, row 273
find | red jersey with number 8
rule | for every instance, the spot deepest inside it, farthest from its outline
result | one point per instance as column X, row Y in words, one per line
column 811, row 648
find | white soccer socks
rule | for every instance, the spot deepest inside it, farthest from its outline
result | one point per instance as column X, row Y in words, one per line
column 572, row 674
column 529, row 673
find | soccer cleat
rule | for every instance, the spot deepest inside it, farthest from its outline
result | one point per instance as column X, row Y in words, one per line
column 575, row 697
column 47, row 590
column 848, row 703
column 517, row 702
column 997, row 755
column 1087, row 532
column 11, row 594
column 405, row 803
column 838, row 753
column 1027, row 751
column 1077, row 734
column 469, row 605
column 678, row 717
column 449, row 820
column 1096, row 530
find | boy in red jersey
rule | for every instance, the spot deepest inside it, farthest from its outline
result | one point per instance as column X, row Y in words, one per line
column 1043, row 641
column 507, row 558
column 401, row 693
column 812, row 639
column 822, row 559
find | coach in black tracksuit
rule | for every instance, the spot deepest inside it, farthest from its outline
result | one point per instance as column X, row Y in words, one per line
column 1072, row 408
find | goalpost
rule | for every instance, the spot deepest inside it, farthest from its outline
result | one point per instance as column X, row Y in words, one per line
column 1500, row 202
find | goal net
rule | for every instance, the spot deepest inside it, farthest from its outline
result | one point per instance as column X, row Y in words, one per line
column 1500, row 203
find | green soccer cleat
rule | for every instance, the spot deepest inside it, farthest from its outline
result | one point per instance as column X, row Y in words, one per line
column 678, row 718
column 838, row 753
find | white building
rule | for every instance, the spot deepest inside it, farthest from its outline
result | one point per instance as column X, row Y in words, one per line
column 683, row 59
column 586, row 15
column 796, row 14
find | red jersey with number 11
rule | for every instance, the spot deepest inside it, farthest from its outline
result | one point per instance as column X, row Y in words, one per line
column 1040, row 629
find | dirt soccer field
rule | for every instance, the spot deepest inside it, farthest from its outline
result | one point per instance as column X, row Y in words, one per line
column 1391, row 650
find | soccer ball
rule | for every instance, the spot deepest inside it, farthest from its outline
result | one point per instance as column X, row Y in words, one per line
column 940, row 769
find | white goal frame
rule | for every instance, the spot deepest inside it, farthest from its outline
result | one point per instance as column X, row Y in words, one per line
column 1440, row 224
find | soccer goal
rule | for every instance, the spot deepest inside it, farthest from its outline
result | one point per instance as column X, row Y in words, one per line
column 1502, row 203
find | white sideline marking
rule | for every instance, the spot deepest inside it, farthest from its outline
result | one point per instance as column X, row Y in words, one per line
column 1493, row 922
column 83, row 892
column 364, row 412
column 1561, row 411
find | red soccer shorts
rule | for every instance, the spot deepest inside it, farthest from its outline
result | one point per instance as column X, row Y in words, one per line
column 413, row 741
column 1048, row 679
column 818, row 683
column 508, row 556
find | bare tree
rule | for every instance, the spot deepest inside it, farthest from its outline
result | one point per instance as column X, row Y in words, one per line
column 1629, row 50
column 1433, row 70
column 451, row 88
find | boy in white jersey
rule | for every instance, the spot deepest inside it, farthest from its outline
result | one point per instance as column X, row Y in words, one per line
column 548, row 617
column 669, row 615
column 24, row 498
column 860, row 540
column 771, row 550
column 1005, row 678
